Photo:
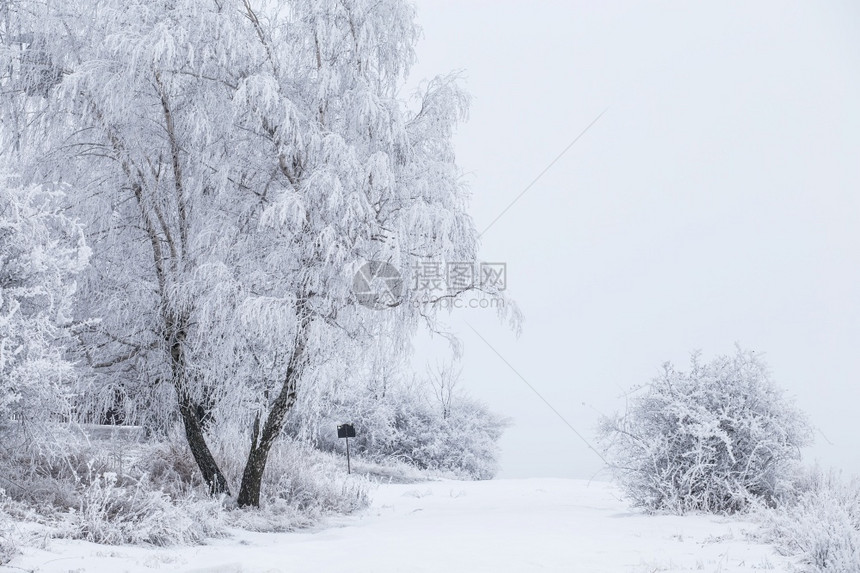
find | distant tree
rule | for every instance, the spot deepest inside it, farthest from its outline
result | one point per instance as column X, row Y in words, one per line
column 713, row 438
column 236, row 162
column 444, row 379
column 41, row 252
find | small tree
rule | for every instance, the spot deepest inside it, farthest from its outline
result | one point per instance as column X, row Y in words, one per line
column 444, row 380
column 712, row 439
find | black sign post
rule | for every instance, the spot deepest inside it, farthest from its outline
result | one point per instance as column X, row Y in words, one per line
column 346, row 431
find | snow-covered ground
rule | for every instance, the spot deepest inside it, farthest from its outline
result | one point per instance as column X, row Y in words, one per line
column 501, row 525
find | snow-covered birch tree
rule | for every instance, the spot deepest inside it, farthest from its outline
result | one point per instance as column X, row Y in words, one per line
column 236, row 162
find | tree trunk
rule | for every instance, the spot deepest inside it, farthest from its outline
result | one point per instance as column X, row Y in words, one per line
column 200, row 450
column 252, row 477
column 188, row 410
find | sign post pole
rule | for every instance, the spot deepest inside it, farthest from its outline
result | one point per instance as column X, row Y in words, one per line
column 346, row 431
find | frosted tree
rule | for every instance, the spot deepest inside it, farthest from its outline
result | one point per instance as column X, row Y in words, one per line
column 236, row 162
column 444, row 379
column 41, row 252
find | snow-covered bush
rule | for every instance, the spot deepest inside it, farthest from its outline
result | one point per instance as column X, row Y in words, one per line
column 113, row 513
column 155, row 494
column 408, row 422
column 464, row 442
column 170, row 466
column 819, row 522
column 714, row 438
column 301, row 484
column 7, row 545
column 301, row 487
column 47, row 481
column 41, row 251
column 79, row 494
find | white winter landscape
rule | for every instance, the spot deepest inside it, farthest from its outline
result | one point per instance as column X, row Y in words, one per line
column 429, row 285
column 499, row 525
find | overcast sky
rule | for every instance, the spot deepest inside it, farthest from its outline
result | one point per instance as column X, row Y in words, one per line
column 716, row 201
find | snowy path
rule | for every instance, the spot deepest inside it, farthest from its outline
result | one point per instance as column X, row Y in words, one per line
column 504, row 525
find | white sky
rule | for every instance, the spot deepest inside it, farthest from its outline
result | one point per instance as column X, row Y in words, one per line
column 716, row 201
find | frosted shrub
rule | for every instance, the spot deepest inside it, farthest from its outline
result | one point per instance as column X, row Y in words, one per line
column 313, row 482
column 158, row 497
column 408, row 424
column 170, row 466
column 7, row 546
column 714, row 438
column 820, row 523
column 301, row 485
column 463, row 442
column 116, row 514
column 7, row 549
column 46, row 477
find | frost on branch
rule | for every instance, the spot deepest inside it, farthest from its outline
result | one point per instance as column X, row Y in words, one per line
column 713, row 438
column 41, row 251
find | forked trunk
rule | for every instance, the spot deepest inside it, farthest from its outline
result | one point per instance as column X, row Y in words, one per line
column 261, row 445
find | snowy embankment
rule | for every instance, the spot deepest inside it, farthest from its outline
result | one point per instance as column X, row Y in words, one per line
column 501, row 525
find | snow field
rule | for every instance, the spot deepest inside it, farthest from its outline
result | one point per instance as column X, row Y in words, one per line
column 502, row 525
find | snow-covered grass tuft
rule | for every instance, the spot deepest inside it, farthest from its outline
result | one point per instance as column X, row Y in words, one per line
column 301, row 485
column 117, row 513
column 820, row 523
column 394, row 470
column 8, row 547
column 46, row 482
column 153, row 494
column 170, row 466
